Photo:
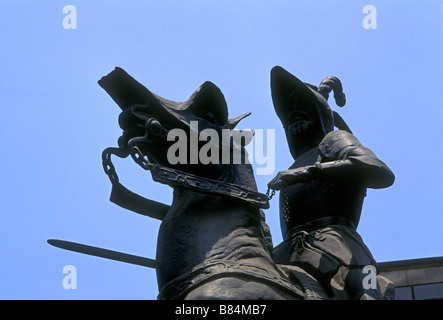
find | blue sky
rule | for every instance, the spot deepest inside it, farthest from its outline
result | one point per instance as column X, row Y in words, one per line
column 56, row 120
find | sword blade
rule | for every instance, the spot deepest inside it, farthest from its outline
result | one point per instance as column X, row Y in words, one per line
column 103, row 253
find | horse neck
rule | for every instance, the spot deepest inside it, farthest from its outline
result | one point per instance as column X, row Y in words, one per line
column 239, row 174
column 202, row 227
column 204, row 208
column 188, row 204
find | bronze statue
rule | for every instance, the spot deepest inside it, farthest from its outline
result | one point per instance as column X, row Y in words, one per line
column 213, row 241
column 322, row 192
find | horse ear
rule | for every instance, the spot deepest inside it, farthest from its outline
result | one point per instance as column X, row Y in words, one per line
column 209, row 101
column 232, row 123
column 245, row 136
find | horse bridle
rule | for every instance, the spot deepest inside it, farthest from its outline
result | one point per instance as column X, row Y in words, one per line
column 174, row 177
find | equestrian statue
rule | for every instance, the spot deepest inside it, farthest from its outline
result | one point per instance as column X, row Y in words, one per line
column 213, row 242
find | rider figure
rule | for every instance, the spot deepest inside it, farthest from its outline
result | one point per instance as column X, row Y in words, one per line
column 322, row 193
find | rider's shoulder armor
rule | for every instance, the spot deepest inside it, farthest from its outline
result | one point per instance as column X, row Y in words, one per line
column 342, row 145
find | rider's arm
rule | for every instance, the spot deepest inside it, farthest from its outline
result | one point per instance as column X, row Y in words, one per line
column 345, row 159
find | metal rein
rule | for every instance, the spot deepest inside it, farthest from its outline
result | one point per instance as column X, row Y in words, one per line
column 170, row 176
column 132, row 149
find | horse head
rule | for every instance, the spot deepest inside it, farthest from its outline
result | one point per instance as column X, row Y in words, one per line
column 194, row 138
